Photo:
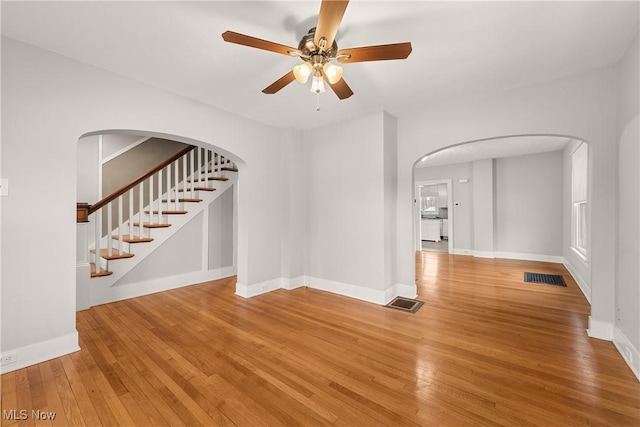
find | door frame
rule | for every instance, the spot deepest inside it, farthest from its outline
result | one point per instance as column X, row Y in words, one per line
column 416, row 210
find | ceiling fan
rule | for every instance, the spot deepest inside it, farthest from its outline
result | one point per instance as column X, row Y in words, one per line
column 318, row 49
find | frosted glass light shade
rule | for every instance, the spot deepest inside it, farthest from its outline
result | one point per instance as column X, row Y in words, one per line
column 317, row 86
column 302, row 72
column 333, row 72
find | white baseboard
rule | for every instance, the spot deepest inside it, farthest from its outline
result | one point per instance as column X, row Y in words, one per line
column 459, row 251
column 629, row 353
column 509, row 255
column 530, row 257
column 375, row 296
column 132, row 290
column 400, row 290
column 290, row 284
column 582, row 284
column 248, row 291
column 600, row 330
column 41, row 352
column 484, row 254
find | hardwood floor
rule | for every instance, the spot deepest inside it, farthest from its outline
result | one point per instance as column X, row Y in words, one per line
column 484, row 349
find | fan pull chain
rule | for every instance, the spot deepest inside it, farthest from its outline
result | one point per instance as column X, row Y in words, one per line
column 318, row 101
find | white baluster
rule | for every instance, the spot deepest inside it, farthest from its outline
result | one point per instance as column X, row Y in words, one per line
column 176, row 182
column 131, row 213
column 199, row 166
column 109, row 223
column 184, row 176
column 160, row 196
column 151, row 199
column 98, row 232
column 193, row 177
column 140, row 207
column 120, row 224
column 210, row 167
column 169, row 186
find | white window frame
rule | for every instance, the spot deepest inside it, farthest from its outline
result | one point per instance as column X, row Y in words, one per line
column 580, row 206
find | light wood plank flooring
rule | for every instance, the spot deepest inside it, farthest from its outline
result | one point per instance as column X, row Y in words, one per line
column 484, row 349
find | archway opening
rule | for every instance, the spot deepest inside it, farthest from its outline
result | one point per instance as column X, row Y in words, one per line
column 509, row 197
column 174, row 220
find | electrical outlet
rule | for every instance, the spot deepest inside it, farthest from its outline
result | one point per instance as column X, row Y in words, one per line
column 8, row 358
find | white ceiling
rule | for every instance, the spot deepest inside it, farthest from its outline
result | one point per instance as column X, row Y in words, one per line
column 494, row 149
column 459, row 48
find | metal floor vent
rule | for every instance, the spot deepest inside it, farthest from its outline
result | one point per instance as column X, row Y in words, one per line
column 547, row 279
column 405, row 304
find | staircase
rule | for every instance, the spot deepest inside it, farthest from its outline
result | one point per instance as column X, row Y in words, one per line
column 135, row 220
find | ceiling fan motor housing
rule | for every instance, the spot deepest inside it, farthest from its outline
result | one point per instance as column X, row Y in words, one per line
column 309, row 48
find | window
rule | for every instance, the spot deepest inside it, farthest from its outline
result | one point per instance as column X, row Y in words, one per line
column 429, row 204
column 580, row 206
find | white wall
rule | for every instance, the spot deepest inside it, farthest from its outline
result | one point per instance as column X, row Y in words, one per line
column 48, row 103
column 582, row 106
column 627, row 333
column 293, row 205
column 181, row 253
column 220, row 231
column 529, row 204
column 350, row 209
column 483, row 208
column 345, row 202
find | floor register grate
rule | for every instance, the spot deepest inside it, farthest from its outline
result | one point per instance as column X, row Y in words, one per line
column 405, row 304
column 547, row 279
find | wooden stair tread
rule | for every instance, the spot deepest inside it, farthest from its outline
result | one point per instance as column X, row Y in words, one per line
column 184, row 200
column 230, row 169
column 151, row 225
column 100, row 273
column 168, row 212
column 104, row 253
column 198, row 189
column 133, row 239
column 212, row 178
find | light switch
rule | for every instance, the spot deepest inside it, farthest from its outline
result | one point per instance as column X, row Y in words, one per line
column 4, row 187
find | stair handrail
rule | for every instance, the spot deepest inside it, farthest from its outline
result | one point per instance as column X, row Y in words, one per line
column 98, row 205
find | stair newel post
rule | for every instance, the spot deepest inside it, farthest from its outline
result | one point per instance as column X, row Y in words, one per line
column 120, row 224
column 160, row 196
column 140, row 207
column 109, row 227
column 176, row 182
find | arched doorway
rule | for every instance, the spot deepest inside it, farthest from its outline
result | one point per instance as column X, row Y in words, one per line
column 511, row 197
column 174, row 222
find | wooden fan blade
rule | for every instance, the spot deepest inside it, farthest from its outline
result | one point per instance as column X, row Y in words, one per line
column 329, row 18
column 340, row 88
column 237, row 38
column 375, row 53
column 279, row 84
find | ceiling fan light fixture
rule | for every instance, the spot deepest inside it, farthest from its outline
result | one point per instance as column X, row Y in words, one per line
column 302, row 72
column 317, row 85
column 333, row 72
